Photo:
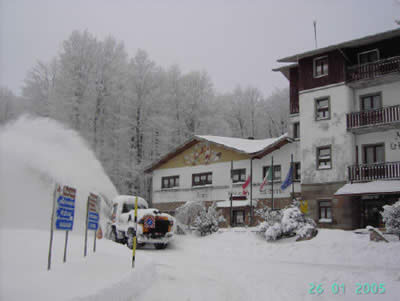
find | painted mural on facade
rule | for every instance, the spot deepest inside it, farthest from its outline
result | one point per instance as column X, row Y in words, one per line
column 202, row 154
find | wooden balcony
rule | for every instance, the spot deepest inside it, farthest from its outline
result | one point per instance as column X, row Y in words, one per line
column 377, row 117
column 372, row 172
column 373, row 70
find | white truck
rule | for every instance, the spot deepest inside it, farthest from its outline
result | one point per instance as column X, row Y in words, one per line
column 153, row 227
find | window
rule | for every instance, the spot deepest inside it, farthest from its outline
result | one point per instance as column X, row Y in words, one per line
column 370, row 102
column 169, row 182
column 297, row 172
column 324, row 157
column 374, row 153
column 202, row 179
column 276, row 174
column 296, row 130
column 368, row 56
column 238, row 175
column 322, row 108
column 325, row 211
column 321, row 66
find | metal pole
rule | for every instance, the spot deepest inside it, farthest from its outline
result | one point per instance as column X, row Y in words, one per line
column 86, row 227
column 55, row 194
column 231, row 209
column 134, row 235
column 315, row 33
column 251, row 192
column 292, row 167
column 94, row 244
column 272, row 181
column 65, row 246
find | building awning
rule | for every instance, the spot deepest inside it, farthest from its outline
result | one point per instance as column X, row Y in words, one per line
column 375, row 187
column 227, row 204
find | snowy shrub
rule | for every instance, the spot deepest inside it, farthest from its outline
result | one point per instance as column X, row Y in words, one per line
column 195, row 216
column 391, row 217
column 207, row 222
column 188, row 212
column 287, row 222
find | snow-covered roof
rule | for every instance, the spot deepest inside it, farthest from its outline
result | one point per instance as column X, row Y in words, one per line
column 227, row 204
column 248, row 146
column 370, row 188
column 256, row 148
column 129, row 199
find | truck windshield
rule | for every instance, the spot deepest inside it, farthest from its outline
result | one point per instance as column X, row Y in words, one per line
column 127, row 207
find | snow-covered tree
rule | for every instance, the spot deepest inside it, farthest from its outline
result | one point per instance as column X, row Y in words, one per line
column 188, row 212
column 391, row 217
column 207, row 221
column 287, row 222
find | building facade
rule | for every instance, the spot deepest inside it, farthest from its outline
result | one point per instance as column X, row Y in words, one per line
column 345, row 112
column 211, row 169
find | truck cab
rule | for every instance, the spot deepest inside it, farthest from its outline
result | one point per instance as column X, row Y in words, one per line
column 153, row 227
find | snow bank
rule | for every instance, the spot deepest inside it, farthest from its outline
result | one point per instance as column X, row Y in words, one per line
column 105, row 275
column 36, row 152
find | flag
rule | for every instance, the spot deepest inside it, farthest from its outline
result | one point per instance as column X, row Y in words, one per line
column 268, row 177
column 245, row 185
column 288, row 181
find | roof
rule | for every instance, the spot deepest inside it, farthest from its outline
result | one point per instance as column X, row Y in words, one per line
column 256, row 148
column 352, row 43
column 370, row 188
column 129, row 199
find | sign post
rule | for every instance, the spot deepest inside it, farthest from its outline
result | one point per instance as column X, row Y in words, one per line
column 92, row 219
column 57, row 190
column 134, row 235
column 65, row 213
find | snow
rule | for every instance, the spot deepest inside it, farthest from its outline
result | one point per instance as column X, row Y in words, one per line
column 325, row 220
column 227, row 204
column 370, row 187
column 128, row 199
column 244, row 145
column 233, row 264
column 36, row 152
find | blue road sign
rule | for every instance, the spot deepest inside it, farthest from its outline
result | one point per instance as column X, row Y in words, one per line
column 92, row 225
column 93, row 217
column 62, row 224
column 65, row 213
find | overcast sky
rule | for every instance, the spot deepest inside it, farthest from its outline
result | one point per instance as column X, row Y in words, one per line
column 236, row 41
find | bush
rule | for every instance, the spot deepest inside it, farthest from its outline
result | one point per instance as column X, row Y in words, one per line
column 195, row 216
column 391, row 217
column 287, row 222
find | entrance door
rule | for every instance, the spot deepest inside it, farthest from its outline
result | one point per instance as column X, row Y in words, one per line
column 238, row 217
column 373, row 207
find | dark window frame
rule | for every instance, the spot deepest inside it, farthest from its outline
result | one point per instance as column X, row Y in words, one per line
column 319, row 148
column 376, row 50
column 276, row 168
column 173, row 181
column 323, row 109
column 241, row 172
column 296, row 171
column 370, row 95
column 374, row 145
column 318, row 66
column 201, row 182
column 323, row 209
column 296, row 130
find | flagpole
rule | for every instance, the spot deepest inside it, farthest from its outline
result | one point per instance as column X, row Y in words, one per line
column 251, row 192
column 230, row 214
column 272, row 181
column 292, row 167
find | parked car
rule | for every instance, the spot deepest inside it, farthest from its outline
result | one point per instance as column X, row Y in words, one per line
column 153, row 227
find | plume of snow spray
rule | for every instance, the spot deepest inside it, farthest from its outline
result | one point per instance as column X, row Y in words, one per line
column 34, row 154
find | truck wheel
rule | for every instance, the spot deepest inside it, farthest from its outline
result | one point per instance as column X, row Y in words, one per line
column 160, row 246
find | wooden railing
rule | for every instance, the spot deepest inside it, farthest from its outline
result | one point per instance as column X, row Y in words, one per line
column 371, row 172
column 385, row 115
column 374, row 69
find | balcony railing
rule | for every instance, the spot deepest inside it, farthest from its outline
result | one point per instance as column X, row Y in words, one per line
column 371, row 172
column 374, row 69
column 381, row 116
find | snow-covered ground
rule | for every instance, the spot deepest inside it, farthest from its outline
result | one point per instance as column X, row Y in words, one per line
column 233, row 264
